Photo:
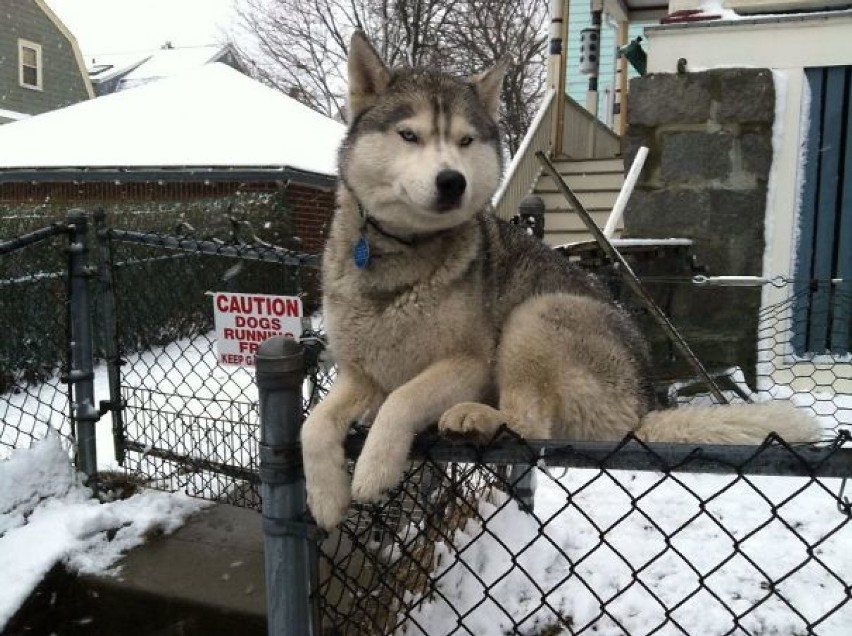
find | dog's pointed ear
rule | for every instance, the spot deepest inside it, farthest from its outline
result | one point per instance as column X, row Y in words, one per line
column 368, row 75
column 488, row 85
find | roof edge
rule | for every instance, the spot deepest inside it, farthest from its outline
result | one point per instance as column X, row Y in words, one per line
column 167, row 174
column 116, row 72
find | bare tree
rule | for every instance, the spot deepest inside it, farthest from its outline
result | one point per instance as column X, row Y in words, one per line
column 300, row 46
column 486, row 30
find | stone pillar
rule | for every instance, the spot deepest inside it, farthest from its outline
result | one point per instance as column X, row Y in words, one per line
column 710, row 141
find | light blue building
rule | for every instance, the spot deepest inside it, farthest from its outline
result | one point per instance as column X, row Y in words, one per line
column 577, row 84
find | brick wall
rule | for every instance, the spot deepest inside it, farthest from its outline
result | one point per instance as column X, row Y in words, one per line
column 277, row 212
column 83, row 193
column 310, row 209
column 311, row 215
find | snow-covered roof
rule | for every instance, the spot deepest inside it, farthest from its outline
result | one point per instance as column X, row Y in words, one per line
column 104, row 67
column 212, row 116
column 141, row 68
column 168, row 62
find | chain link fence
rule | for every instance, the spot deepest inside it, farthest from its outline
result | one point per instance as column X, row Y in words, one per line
column 616, row 539
column 628, row 538
column 180, row 420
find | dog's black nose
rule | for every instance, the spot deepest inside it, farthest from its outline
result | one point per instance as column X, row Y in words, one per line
column 451, row 185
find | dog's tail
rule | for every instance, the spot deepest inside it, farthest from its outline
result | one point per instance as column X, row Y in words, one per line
column 729, row 424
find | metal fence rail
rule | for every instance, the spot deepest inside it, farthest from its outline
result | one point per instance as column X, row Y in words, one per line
column 242, row 251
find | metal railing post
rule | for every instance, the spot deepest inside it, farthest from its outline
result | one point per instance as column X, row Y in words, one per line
column 81, row 376
column 531, row 215
column 288, row 553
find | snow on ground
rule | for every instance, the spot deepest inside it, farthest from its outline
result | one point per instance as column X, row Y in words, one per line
column 182, row 377
column 566, row 573
column 47, row 516
column 38, row 409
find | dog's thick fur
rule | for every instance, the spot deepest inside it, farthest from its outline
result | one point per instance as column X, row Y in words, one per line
column 459, row 317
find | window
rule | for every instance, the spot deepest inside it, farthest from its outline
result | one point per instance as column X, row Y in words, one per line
column 29, row 64
column 822, row 321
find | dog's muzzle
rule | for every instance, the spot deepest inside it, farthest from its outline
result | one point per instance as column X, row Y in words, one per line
column 450, row 185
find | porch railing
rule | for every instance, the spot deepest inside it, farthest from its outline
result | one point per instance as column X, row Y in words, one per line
column 525, row 169
column 584, row 136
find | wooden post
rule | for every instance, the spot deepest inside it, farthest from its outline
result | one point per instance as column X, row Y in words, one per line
column 621, row 80
column 559, row 124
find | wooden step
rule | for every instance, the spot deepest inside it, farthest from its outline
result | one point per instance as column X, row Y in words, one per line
column 583, row 182
column 592, row 201
column 596, row 182
column 589, row 166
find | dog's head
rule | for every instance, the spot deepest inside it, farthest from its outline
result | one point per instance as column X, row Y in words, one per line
column 423, row 148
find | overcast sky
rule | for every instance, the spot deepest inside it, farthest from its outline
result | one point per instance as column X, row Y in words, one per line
column 125, row 26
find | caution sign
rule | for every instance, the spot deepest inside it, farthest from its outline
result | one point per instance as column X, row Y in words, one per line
column 243, row 321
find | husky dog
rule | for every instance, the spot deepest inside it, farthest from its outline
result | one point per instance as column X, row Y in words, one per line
column 438, row 311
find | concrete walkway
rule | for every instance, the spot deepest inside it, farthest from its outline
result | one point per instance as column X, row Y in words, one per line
column 206, row 578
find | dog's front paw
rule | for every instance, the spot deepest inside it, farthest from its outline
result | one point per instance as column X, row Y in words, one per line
column 373, row 477
column 471, row 418
column 328, row 495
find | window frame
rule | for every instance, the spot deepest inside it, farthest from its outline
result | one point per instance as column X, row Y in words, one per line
column 26, row 44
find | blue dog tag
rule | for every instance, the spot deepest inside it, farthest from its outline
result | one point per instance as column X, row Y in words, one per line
column 361, row 253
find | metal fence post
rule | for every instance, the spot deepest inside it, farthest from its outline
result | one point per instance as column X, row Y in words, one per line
column 522, row 482
column 106, row 301
column 81, row 376
column 288, row 553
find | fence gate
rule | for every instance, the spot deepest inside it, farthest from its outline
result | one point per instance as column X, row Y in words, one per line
column 185, row 422
column 34, row 349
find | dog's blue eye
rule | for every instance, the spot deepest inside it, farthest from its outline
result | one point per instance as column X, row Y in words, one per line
column 465, row 141
column 408, row 135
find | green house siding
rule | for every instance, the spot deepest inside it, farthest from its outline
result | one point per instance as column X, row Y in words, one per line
column 62, row 79
column 577, row 84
